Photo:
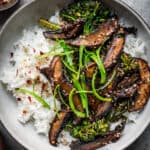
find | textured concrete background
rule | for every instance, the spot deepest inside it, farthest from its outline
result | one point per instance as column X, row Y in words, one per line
column 143, row 143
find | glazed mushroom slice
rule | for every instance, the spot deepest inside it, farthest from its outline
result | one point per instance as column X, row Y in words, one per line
column 128, row 81
column 142, row 97
column 89, row 70
column 144, row 70
column 115, row 49
column 103, row 109
column 93, row 102
column 68, row 31
column 98, row 37
column 126, row 92
column 54, row 72
column 144, row 87
column 57, row 125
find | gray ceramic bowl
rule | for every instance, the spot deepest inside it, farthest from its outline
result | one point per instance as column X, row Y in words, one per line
column 27, row 17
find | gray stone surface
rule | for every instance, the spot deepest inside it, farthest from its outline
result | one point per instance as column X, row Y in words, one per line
column 143, row 143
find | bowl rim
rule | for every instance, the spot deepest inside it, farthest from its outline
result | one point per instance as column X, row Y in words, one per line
column 120, row 2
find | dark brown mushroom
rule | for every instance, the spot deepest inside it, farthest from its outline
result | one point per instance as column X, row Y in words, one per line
column 55, row 75
column 112, row 55
column 115, row 49
column 68, row 31
column 103, row 109
column 54, row 72
column 126, row 92
column 128, row 81
column 57, row 125
column 142, row 97
column 89, row 70
column 93, row 102
column 98, row 37
column 144, row 87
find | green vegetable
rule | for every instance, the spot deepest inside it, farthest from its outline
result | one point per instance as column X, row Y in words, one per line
column 88, row 27
column 66, row 49
column 61, row 98
column 36, row 96
column 108, row 82
column 128, row 63
column 85, row 102
column 78, row 113
column 95, row 91
column 80, row 60
column 93, row 12
column 68, row 17
column 50, row 25
column 69, row 67
column 88, row 131
column 97, row 59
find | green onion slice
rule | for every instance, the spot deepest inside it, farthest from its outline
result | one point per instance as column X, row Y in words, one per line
column 36, row 96
column 78, row 113
column 50, row 25
column 108, row 82
column 95, row 92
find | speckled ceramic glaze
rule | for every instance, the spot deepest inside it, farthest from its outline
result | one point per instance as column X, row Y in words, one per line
column 26, row 17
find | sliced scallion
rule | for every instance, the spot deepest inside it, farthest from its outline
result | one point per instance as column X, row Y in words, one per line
column 95, row 91
column 36, row 96
column 78, row 113
column 50, row 25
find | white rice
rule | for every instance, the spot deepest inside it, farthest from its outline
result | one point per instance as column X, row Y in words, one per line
column 26, row 67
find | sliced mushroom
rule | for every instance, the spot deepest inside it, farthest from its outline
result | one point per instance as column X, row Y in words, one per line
column 54, row 72
column 142, row 97
column 144, row 87
column 89, row 70
column 144, row 70
column 68, row 31
column 113, row 53
column 115, row 49
column 103, row 109
column 126, row 92
column 128, row 81
column 98, row 37
column 57, row 125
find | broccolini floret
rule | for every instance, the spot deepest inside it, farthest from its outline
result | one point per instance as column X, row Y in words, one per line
column 88, row 131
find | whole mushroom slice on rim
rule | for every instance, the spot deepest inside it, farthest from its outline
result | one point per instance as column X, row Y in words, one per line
column 57, row 125
column 67, row 32
column 98, row 37
column 144, row 87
